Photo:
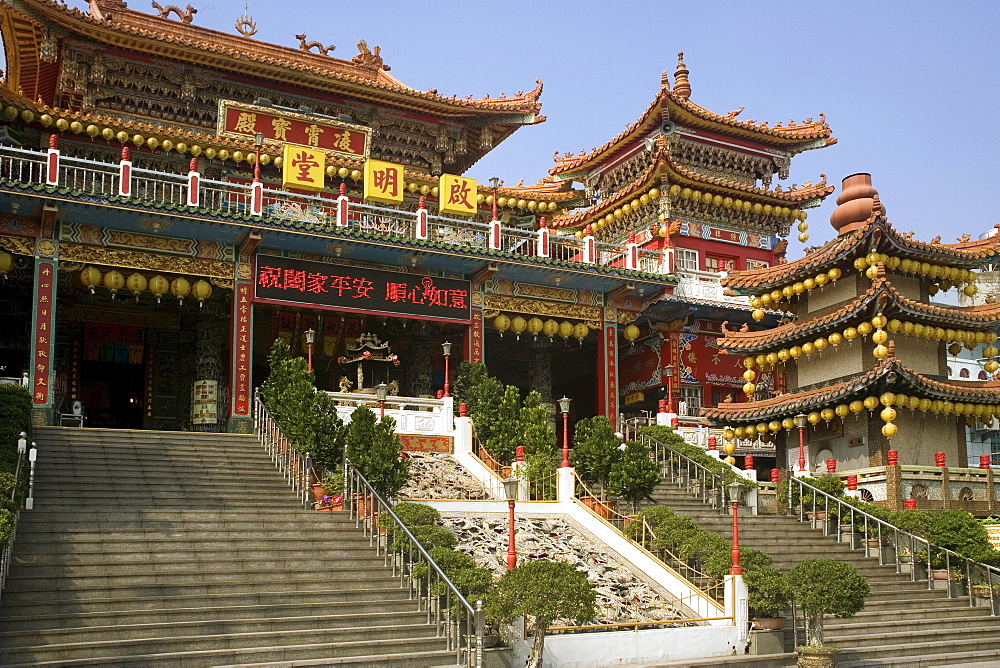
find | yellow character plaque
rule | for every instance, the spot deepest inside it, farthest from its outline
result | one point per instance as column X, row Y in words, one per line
column 383, row 182
column 303, row 167
column 457, row 194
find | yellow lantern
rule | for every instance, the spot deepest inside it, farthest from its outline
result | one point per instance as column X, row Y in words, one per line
column 864, row 328
column 820, row 343
column 991, row 366
column 814, row 417
column 739, row 432
column 954, row 349
column 631, row 333
column 114, row 281
column 748, row 361
column 850, row 333
column 518, row 325
column 947, row 407
column 763, row 300
column 834, row 273
column 180, row 288
column 6, row 263
column 925, row 404
column 827, row 414
column 871, row 259
column 136, row 283
column 937, row 405
column 888, row 414
column 919, row 330
column 783, row 355
column 913, row 403
column 761, row 428
column 749, row 389
column 550, row 328
column 887, row 399
column 871, row 403
column 90, row 277
column 880, row 352
column 749, row 375
column 757, row 315
column 728, row 434
column 860, row 263
column 730, row 460
column 501, row 323
column 774, row 425
column 761, row 361
column 809, row 284
column 808, row 348
column 889, row 430
column 788, row 423
column 795, row 351
column 842, row 410
column 772, row 358
column 990, row 351
column 787, row 292
column 871, row 273
column 202, row 290
column 580, row 332
column 535, row 326
column 798, row 288
column 776, row 296
column 158, row 286
column 821, row 279
column 856, row 406
column 879, row 321
column 566, row 329
column 835, row 339
column 729, row 448
column 901, row 400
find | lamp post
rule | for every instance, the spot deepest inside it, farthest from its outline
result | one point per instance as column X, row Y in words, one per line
column 381, row 391
column 735, row 491
column 510, row 493
column 564, row 407
column 800, row 422
column 494, row 184
column 258, row 142
column 310, row 340
column 446, row 347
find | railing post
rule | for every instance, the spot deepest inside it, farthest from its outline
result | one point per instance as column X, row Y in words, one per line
column 52, row 171
column 422, row 217
column 257, row 197
column 542, row 249
column 631, row 253
column 29, row 503
column 342, row 206
column 125, row 173
column 494, row 240
column 589, row 246
column 194, row 179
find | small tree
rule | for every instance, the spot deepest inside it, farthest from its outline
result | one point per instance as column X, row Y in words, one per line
column 635, row 475
column 826, row 587
column 545, row 590
column 505, row 429
column 595, row 449
column 374, row 450
column 768, row 591
column 15, row 417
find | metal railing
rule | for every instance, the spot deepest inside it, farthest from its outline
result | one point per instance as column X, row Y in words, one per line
column 908, row 552
column 700, row 481
column 455, row 619
column 318, row 213
column 293, row 465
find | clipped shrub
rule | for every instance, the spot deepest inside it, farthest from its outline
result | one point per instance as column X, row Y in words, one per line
column 769, row 591
column 671, row 439
column 826, row 587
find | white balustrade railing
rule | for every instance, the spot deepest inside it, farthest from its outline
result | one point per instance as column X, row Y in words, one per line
column 705, row 285
column 315, row 212
column 413, row 415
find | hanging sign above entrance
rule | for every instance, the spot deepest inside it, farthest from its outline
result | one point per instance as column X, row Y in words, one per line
column 295, row 282
column 278, row 125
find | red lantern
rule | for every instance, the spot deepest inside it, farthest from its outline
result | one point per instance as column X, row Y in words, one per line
column 713, row 443
column 775, row 476
column 893, row 457
column 748, row 463
column 910, row 504
column 662, row 406
column 939, row 459
column 852, row 482
column 984, row 461
column 831, row 465
column 463, row 410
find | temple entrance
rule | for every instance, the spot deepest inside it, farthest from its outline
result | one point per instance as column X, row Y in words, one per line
column 113, row 394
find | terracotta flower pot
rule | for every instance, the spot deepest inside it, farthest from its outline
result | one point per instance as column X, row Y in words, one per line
column 768, row 623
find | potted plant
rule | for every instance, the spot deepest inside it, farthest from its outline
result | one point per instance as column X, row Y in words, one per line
column 825, row 587
column 769, row 593
column 331, row 489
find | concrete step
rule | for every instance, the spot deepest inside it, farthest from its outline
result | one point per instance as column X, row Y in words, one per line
column 918, row 648
column 988, row 658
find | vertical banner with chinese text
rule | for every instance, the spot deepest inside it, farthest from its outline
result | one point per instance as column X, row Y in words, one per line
column 607, row 364
column 43, row 327
column 242, row 350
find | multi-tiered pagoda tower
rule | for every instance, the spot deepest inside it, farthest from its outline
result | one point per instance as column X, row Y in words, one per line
column 862, row 349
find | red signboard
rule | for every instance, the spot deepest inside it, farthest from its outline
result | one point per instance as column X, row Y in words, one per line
column 45, row 314
column 286, row 127
column 241, row 339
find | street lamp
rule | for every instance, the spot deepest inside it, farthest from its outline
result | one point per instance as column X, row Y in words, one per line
column 446, row 347
column 310, row 340
column 735, row 491
column 800, row 422
column 494, row 184
column 510, row 493
column 564, row 407
column 381, row 391
column 258, row 142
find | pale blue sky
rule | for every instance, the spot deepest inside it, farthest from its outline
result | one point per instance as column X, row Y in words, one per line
column 909, row 88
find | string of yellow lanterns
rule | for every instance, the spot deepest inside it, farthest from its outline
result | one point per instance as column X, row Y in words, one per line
column 742, row 205
column 788, row 292
column 536, row 326
column 92, row 278
column 944, row 276
column 650, row 197
column 890, row 402
column 509, row 202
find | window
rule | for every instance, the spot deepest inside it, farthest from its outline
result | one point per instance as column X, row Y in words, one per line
column 963, row 373
column 691, row 396
column 687, row 259
column 718, row 264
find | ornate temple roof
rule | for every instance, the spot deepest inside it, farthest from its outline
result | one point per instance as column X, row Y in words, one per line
column 110, row 22
column 888, row 375
column 881, row 297
column 676, row 105
column 876, row 235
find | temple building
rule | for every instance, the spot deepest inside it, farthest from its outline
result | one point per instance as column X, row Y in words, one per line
column 862, row 348
column 703, row 188
column 174, row 198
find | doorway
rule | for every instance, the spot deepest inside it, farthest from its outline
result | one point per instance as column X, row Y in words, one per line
column 112, row 394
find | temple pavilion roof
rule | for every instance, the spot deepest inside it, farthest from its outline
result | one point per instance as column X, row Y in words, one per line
column 880, row 298
column 674, row 104
column 876, row 235
column 888, row 375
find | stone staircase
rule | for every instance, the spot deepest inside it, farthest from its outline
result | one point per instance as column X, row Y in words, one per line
column 903, row 623
column 183, row 549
